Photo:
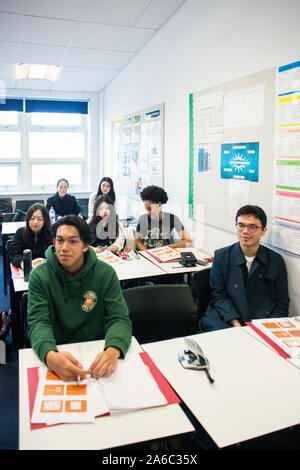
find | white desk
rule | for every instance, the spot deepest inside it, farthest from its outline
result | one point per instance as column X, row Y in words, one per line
column 256, row 391
column 10, row 228
column 134, row 269
column 175, row 267
column 105, row 432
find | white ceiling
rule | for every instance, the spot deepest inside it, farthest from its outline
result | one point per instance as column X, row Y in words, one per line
column 92, row 39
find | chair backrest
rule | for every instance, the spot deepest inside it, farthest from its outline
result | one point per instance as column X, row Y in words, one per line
column 5, row 206
column 24, row 204
column 161, row 311
column 8, row 217
column 201, row 289
column 84, row 206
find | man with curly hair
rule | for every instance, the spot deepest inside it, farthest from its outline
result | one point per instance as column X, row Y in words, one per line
column 154, row 229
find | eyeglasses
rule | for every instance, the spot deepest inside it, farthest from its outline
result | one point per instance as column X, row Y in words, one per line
column 251, row 227
column 194, row 358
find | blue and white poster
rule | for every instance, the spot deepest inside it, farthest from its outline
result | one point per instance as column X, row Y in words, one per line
column 240, row 161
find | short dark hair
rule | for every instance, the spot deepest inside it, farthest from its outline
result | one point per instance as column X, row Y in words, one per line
column 62, row 179
column 75, row 221
column 154, row 194
column 256, row 211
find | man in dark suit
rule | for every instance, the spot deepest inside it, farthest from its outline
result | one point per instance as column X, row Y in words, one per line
column 248, row 280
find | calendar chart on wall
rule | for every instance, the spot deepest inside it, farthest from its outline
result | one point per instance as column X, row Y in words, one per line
column 137, row 150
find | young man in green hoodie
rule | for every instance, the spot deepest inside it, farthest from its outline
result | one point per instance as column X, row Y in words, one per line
column 74, row 297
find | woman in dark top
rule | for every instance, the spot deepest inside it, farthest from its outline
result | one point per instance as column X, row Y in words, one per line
column 63, row 203
column 107, row 231
column 36, row 235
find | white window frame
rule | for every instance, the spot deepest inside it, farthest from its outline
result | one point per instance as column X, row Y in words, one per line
column 25, row 162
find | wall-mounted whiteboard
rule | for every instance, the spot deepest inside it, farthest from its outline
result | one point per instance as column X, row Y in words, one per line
column 231, row 149
column 137, row 150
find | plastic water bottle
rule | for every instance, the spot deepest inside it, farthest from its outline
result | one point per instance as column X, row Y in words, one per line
column 27, row 259
column 52, row 215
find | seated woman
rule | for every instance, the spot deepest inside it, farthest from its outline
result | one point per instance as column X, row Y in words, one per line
column 107, row 230
column 154, row 229
column 62, row 202
column 106, row 186
column 36, row 236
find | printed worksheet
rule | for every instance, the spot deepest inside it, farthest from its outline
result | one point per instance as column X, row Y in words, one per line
column 285, row 332
column 109, row 257
column 67, row 402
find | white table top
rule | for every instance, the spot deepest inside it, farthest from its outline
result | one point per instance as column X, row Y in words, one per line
column 10, row 228
column 105, row 432
column 134, row 269
column 255, row 391
column 175, row 267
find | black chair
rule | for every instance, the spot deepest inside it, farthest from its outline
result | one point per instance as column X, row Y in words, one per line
column 160, row 312
column 5, row 206
column 24, row 204
column 84, row 207
column 8, row 216
column 199, row 282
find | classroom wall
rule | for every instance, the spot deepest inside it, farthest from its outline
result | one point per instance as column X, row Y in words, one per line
column 206, row 43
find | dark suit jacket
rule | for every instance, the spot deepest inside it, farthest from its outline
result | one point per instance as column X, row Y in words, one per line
column 235, row 293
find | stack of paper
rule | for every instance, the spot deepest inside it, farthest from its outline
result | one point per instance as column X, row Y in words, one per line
column 164, row 254
column 131, row 387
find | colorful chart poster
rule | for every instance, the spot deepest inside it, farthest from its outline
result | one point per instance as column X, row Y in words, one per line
column 240, row 161
column 286, row 196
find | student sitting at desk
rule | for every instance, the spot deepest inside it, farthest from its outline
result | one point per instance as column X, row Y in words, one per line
column 154, row 228
column 36, row 236
column 63, row 203
column 248, row 281
column 107, row 230
column 74, row 297
column 106, row 187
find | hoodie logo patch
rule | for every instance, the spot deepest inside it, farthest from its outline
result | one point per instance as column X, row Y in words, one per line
column 89, row 301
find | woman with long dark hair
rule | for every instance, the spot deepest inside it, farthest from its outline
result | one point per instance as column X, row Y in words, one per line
column 36, row 235
column 62, row 202
column 107, row 230
column 106, row 186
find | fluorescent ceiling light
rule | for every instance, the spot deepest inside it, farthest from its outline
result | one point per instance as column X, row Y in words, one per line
column 53, row 73
column 22, row 71
column 37, row 72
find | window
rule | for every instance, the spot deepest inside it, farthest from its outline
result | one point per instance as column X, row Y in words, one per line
column 42, row 141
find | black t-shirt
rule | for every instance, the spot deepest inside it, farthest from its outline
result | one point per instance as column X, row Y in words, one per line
column 155, row 233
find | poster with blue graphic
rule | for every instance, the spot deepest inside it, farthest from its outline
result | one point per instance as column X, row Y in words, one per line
column 240, row 161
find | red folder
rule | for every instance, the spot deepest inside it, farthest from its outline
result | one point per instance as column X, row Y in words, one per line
column 166, row 261
column 165, row 388
column 269, row 341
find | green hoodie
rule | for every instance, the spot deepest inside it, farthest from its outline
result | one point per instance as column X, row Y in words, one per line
column 63, row 309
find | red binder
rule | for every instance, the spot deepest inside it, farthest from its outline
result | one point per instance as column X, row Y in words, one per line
column 165, row 388
column 269, row 341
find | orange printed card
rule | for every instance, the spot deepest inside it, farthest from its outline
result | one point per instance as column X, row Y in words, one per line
column 51, row 376
column 294, row 332
column 54, row 389
column 76, row 389
column 76, row 406
column 270, row 325
column 51, row 406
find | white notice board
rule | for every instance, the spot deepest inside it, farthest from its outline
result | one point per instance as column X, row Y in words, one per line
column 137, row 150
